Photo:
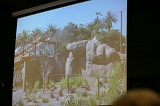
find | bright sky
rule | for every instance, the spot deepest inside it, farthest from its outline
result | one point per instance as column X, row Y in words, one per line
column 81, row 13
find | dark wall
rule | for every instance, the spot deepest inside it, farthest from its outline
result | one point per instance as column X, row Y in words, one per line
column 143, row 31
column 7, row 36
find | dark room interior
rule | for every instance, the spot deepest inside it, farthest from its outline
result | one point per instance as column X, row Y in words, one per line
column 143, row 26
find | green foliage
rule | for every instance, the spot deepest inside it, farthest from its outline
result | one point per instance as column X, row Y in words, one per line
column 40, row 93
column 115, row 84
column 79, row 93
column 90, row 100
column 51, row 30
column 64, row 82
column 109, row 19
column 83, row 33
column 73, row 81
column 52, row 95
column 77, row 80
column 37, row 32
column 28, row 95
column 34, row 98
column 85, row 81
column 60, row 93
column 70, row 100
column 36, row 85
column 86, row 84
column 99, row 27
column 51, row 83
column 104, row 76
column 20, row 103
column 99, row 101
column 95, row 73
column 22, row 37
column 45, row 100
column 103, row 93
column 111, row 38
column 80, row 100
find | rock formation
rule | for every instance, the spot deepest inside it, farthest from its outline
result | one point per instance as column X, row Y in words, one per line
column 87, row 57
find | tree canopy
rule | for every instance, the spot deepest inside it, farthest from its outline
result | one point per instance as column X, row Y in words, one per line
column 101, row 27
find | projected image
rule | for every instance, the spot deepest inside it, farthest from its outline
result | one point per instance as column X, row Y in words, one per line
column 72, row 56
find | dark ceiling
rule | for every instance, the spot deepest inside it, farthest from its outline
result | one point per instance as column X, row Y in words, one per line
column 18, row 5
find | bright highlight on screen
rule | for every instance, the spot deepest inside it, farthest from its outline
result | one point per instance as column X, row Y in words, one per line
column 72, row 56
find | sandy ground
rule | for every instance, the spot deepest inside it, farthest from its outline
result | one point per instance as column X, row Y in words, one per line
column 54, row 101
column 16, row 95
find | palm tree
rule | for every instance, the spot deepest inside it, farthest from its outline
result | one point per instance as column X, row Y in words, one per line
column 83, row 33
column 110, row 18
column 22, row 37
column 18, row 40
column 25, row 34
column 98, row 14
column 95, row 26
column 51, row 30
column 37, row 32
column 90, row 28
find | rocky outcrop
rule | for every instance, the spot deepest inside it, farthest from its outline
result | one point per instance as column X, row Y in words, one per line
column 76, row 59
column 77, row 48
column 100, row 57
column 95, row 55
column 122, row 56
column 70, row 64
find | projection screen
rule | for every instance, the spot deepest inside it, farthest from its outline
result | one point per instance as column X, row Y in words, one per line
column 72, row 56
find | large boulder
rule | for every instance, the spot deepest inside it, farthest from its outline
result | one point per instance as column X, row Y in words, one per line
column 77, row 57
column 99, row 57
column 122, row 56
column 95, row 55
column 77, row 48
column 91, row 50
column 72, row 65
column 69, row 64
column 111, row 54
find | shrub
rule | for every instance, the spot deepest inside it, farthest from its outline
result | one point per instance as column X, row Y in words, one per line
column 51, row 83
column 27, row 94
column 36, row 85
column 79, row 81
column 70, row 100
column 90, row 100
column 45, row 100
column 34, row 99
column 64, row 82
column 45, row 83
column 20, row 103
column 114, row 84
